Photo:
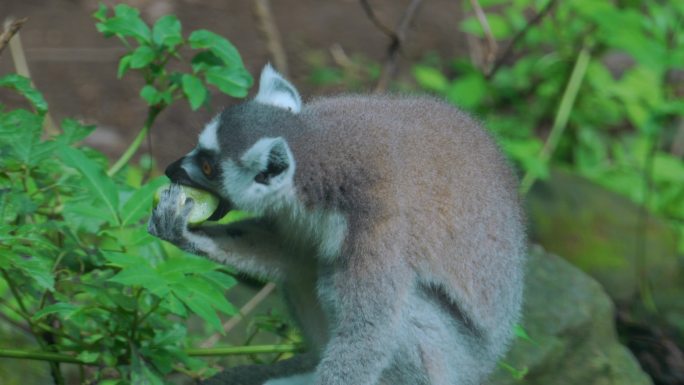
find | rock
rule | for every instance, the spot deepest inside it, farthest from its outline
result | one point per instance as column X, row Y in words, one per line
column 570, row 321
column 606, row 235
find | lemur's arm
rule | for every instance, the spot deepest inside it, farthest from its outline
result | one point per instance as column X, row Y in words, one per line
column 371, row 282
column 248, row 246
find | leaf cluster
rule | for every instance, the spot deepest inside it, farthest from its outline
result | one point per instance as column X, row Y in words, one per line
column 621, row 128
column 77, row 264
column 214, row 61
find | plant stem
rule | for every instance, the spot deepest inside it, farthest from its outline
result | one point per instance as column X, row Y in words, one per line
column 562, row 116
column 225, row 351
column 40, row 356
column 43, row 339
column 152, row 113
column 242, row 350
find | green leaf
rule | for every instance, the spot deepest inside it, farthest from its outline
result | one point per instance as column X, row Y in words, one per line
column 167, row 32
column 127, row 23
column 151, row 95
column 23, row 86
column 234, row 82
column 521, row 333
column 203, row 39
column 204, row 60
column 97, row 182
column 668, row 169
column 140, row 202
column 142, row 56
column 430, row 78
column 63, row 309
column 468, row 91
column 141, row 374
column 186, row 264
column 222, row 280
column 194, row 90
column 125, row 260
column 124, row 66
column 74, row 131
column 37, row 269
column 497, row 24
column 207, row 292
column 20, row 125
column 202, row 309
column 88, row 357
column 174, row 305
column 144, row 276
column 101, row 13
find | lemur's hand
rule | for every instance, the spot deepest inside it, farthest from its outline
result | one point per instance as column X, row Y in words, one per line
column 169, row 219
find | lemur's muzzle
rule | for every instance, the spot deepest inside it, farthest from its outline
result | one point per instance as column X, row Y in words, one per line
column 177, row 174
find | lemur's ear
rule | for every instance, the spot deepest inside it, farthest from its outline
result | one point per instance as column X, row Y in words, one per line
column 276, row 91
column 270, row 159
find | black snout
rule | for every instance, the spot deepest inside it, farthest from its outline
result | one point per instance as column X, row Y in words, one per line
column 178, row 174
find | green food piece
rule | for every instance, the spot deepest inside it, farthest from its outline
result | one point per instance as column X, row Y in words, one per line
column 235, row 216
column 205, row 202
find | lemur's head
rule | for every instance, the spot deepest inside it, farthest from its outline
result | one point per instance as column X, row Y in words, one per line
column 242, row 155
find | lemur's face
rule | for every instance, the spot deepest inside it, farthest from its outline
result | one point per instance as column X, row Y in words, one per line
column 241, row 157
column 253, row 174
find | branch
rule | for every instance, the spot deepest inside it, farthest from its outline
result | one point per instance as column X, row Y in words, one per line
column 11, row 27
column 397, row 40
column 214, row 352
column 269, row 31
column 41, row 356
column 21, row 67
column 518, row 36
column 244, row 310
column 375, row 20
column 492, row 46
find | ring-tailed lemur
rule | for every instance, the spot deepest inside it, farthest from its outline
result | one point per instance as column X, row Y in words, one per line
column 391, row 224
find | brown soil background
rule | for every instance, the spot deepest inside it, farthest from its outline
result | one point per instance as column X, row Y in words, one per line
column 75, row 67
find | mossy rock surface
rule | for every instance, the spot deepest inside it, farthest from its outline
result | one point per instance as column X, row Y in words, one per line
column 570, row 320
column 606, row 235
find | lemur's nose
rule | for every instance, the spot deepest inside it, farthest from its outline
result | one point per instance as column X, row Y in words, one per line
column 175, row 171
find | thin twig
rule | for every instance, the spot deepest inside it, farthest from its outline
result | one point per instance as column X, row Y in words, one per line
column 152, row 113
column 269, row 30
column 562, row 116
column 492, row 46
column 390, row 67
column 518, row 36
column 21, row 66
column 375, row 20
column 243, row 350
column 643, row 281
column 11, row 27
column 244, row 311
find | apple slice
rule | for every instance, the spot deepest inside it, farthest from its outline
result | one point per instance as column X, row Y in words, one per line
column 205, row 202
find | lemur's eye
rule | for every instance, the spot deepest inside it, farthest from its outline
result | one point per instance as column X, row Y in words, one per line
column 206, row 168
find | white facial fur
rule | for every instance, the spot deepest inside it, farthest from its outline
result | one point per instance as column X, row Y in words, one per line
column 249, row 195
column 274, row 90
column 208, row 139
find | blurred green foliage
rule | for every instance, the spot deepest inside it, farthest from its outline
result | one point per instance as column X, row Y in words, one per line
column 628, row 109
